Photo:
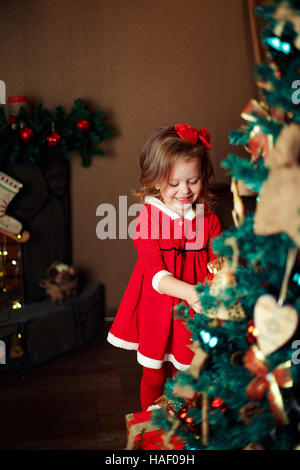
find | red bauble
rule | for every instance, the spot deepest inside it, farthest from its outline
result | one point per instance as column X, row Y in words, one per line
column 84, row 125
column 26, row 134
column 53, row 139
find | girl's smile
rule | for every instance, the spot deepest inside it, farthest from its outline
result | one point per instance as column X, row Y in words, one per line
column 184, row 186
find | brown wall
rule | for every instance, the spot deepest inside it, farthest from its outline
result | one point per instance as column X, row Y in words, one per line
column 145, row 63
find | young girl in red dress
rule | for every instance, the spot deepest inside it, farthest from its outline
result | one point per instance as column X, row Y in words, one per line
column 173, row 238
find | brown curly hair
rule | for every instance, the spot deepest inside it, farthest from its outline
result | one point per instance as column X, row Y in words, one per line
column 163, row 148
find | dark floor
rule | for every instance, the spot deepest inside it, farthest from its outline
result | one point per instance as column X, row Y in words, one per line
column 76, row 401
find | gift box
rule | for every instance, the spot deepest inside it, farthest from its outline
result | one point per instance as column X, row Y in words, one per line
column 143, row 434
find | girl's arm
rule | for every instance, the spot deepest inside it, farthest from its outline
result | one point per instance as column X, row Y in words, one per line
column 169, row 285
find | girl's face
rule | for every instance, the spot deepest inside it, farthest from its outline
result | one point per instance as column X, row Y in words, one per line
column 184, row 186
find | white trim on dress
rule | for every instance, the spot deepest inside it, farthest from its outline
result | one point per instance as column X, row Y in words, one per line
column 120, row 343
column 144, row 360
column 154, row 201
column 157, row 278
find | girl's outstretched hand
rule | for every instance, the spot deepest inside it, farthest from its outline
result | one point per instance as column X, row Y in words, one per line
column 192, row 298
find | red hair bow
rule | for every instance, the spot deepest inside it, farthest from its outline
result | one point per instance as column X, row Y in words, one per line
column 187, row 132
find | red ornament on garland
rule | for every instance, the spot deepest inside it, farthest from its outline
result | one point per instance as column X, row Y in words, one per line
column 26, row 134
column 53, row 139
column 84, row 125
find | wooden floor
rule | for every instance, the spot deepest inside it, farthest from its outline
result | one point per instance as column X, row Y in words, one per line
column 77, row 401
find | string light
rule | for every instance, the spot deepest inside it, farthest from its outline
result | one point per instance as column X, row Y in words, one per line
column 16, row 304
column 279, row 45
column 208, row 339
column 296, row 278
column 252, row 331
column 218, row 403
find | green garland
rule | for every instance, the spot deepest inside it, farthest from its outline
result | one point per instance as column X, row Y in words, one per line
column 42, row 123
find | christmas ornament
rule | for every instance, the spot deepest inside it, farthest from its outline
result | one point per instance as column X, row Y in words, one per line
column 278, row 208
column 268, row 382
column 238, row 212
column 214, row 266
column 223, row 279
column 9, row 187
column 26, row 134
column 260, row 143
column 199, row 359
column 84, row 125
column 276, row 325
column 53, row 139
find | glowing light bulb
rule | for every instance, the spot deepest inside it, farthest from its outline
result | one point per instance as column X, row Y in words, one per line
column 286, row 47
column 16, row 304
column 213, row 342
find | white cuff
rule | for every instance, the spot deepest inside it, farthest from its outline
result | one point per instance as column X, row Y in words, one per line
column 156, row 279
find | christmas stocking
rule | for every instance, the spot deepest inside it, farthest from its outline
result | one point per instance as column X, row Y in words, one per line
column 8, row 189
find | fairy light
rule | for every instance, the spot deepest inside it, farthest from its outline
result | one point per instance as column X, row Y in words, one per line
column 208, row 339
column 16, row 304
column 296, row 278
column 279, row 45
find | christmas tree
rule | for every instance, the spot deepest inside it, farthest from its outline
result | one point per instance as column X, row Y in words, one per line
column 242, row 388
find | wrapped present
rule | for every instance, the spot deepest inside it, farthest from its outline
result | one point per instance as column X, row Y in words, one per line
column 143, row 434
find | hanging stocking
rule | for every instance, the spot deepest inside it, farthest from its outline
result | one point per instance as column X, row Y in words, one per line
column 8, row 189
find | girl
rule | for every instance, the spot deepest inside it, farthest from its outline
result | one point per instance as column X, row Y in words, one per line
column 173, row 240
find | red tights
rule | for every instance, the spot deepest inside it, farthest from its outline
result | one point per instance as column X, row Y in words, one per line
column 153, row 382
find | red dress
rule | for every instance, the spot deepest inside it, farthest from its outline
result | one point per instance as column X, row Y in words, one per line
column 166, row 243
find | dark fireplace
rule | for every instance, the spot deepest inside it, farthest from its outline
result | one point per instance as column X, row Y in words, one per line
column 42, row 328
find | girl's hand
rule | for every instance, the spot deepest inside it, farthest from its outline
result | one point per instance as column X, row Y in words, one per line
column 192, row 298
